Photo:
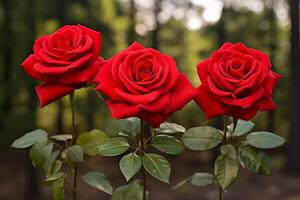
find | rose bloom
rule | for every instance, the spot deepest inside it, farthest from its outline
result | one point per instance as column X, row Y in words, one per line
column 64, row 61
column 145, row 83
column 236, row 81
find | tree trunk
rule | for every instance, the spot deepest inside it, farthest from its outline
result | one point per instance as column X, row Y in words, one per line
column 155, row 32
column 7, row 47
column 33, row 190
column 273, row 47
column 294, row 140
column 131, row 27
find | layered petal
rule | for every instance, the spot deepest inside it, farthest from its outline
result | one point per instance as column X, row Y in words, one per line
column 49, row 92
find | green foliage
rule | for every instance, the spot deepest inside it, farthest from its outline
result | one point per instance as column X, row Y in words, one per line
column 39, row 153
column 62, row 137
column 57, row 189
column 226, row 166
column 130, row 164
column 98, row 180
column 131, row 126
column 167, row 144
column 75, row 153
column 90, row 140
column 199, row 179
column 48, row 164
column 132, row 191
column 202, row 138
column 113, row 146
column 157, row 166
column 30, row 139
column 170, row 128
column 255, row 160
column 264, row 140
column 242, row 127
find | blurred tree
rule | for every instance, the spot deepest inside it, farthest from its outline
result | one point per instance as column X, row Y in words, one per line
column 7, row 63
column 131, row 34
column 155, row 32
column 294, row 140
column 33, row 190
column 273, row 41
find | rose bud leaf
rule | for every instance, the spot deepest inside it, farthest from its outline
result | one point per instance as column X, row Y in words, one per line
column 226, row 166
column 170, row 128
column 157, row 166
column 30, row 139
column 99, row 181
column 264, row 140
column 130, row 164
column 201, row 138
column 167, row 144
column 113, row 146
column 90, row 140
column 75, row 153
column 255, row 160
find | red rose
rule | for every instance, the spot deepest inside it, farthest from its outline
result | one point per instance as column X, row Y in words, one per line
column 65, row 60
column 236, row 81
column 145, row 83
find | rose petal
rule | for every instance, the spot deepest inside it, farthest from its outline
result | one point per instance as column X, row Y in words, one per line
column 28, row 66
column 209, row 104
column 134, row 47
column 245, row 114
column 266, row 104
column 49, row 92
column 247, row 101
column 121, row 110
column 182, row 93
column 83, row 76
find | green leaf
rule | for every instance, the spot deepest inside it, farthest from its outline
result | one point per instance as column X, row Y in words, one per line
column 75, row 153
column 181, row 183
column 130, row 164
column 56, row 167
column 170, row 128
column 98, row 180
column 201, row 138
column 226, row 166
column 90, row 140
column 62, row 137
column 242, row 127
column 264, row 140
column 132, row 191
column 113, row 146
column 167, row 144
column 30, row 139
column 55, row 177
column 57, row 189
column 255, row 160
column 39, row 153
column 157, row 166
column 201, row 179
column 48, row 164
column 131, row 126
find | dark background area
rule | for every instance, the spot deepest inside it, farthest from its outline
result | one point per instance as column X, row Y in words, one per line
column 188, row 30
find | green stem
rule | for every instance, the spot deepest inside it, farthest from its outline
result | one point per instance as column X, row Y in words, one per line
column 74, row 190
column 220, row 194
column 224, row 142
column 142, row 153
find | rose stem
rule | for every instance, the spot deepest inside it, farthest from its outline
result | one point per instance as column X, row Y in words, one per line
column 224, row 142
column 143, row 152
column 73, row 142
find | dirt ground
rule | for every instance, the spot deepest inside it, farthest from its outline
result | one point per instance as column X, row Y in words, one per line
column 280, row 186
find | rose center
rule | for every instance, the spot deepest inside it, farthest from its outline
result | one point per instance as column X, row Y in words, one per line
column 145, row 72
column 63, row 42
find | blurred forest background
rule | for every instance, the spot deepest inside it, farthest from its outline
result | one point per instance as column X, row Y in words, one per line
column 188, row 30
